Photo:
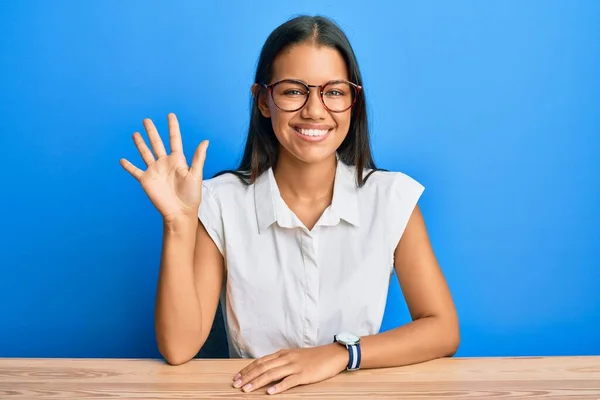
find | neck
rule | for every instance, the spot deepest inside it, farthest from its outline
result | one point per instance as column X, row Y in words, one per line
column 305, row 182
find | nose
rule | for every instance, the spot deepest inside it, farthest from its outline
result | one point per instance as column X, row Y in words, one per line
column 314, row 109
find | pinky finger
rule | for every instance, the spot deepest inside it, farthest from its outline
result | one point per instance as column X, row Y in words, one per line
column 132, row 169
column 288, row 383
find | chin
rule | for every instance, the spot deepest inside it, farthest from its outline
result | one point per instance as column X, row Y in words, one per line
column 313, row 156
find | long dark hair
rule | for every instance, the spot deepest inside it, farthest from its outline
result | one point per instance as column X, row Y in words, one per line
column 262, row 147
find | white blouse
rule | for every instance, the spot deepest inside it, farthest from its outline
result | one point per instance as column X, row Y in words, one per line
column 290, row 287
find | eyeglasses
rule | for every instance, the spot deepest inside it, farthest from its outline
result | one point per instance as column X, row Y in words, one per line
column 291, row 95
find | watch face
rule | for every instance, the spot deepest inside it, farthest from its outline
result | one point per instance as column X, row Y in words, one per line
column 347, row 338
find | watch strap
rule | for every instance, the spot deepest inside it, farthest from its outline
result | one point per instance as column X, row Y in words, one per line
column 354, row 353
column 355, row 357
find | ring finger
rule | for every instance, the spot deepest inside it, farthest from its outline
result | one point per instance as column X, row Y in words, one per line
column 145, row 152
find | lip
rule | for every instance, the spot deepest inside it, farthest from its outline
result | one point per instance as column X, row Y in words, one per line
column 312, row 139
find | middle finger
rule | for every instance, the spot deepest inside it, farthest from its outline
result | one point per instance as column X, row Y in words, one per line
column 271, row 376
column 155, row 140
column 256, row 363
column 258, row 370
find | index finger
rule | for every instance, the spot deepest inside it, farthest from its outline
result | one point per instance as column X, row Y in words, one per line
column 174, row 134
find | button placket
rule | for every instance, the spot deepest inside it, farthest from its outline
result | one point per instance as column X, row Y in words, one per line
column 311, row 290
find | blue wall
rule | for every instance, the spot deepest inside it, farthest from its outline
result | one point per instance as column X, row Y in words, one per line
column 494, row 106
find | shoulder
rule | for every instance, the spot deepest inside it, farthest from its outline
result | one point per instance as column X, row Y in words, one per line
column 225, row 186
column 225, row 202
column 391, row 196
column 391, row 183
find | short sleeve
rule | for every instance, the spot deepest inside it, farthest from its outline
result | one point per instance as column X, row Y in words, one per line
column 405, row 194
column 210, row 215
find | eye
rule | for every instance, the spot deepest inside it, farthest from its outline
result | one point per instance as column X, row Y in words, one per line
column 293, row 92
column 334, row 92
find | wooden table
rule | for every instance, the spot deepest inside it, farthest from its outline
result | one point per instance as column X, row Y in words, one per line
column 536, row 377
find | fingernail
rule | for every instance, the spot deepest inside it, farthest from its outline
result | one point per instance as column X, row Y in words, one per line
column 238, row 376
column 237, row 383
column 247, row 387
column 271, row 390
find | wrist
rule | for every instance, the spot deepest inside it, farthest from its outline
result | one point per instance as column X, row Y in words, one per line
column 181, row 224
column 340, row 355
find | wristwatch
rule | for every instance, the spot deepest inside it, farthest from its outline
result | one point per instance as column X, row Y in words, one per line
column 352, row 343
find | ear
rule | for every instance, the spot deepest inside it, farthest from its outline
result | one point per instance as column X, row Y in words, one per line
column 262, row 99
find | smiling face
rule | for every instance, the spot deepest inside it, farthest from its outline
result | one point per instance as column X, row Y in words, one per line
column 311, row 134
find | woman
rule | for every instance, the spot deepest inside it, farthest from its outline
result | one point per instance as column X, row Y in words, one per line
column 302, row 238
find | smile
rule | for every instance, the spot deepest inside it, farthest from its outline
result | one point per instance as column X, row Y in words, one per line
column 312, row 132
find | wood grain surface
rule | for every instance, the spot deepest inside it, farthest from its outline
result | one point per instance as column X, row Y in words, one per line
column 451, row 378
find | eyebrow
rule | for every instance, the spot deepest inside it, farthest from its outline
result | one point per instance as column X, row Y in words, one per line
column 303, row 81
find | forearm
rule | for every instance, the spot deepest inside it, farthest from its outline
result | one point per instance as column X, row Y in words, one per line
column 421, row 340
column 178, row 316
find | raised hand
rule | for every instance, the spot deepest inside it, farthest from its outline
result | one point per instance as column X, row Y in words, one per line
column 174, row 188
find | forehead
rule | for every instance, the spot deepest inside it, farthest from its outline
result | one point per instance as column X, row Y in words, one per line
column 310, row 63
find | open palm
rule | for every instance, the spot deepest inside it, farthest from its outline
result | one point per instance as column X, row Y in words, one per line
column 174, row 188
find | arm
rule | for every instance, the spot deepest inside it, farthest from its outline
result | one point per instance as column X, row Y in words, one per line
column 434, row 331
column 191, row 270
column 190, row 280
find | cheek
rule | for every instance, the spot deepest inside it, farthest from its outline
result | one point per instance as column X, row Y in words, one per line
column 280, row 121
column 343, row 122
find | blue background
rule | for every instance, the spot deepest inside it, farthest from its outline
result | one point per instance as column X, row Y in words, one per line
column 494, row 106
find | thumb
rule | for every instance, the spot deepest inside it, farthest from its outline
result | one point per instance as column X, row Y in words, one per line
column 198, row 160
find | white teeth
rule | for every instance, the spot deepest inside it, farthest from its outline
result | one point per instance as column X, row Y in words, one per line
column 312, row 132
